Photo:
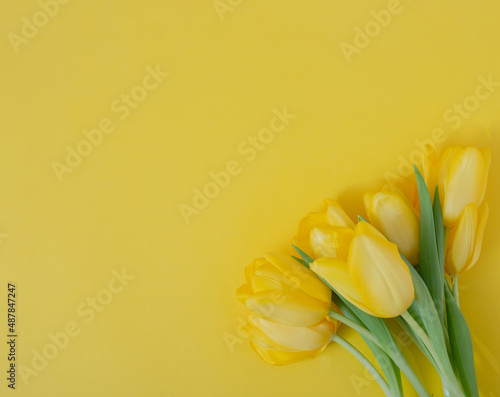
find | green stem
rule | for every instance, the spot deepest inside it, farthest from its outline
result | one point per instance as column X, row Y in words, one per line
column 396, row 356
column 355, row 326
column 365, row 362
column 455, row 289
column 422, row 335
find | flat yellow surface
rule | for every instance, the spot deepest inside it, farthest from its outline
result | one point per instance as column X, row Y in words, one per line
column 115, row 116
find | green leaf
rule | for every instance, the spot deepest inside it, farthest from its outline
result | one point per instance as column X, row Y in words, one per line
column 430, row 269
column 301, row 261
column 414, row 337
column 461, row 345
column 424, row 306
column 306, row 258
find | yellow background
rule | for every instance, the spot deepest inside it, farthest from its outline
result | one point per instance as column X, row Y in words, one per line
column 167, row 332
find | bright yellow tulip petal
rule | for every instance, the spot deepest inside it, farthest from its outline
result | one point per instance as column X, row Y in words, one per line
column 332, row 216
column 381, row 276
column 244, row 292
column 462, row 241
column 392, row 214
column 336, row 215
column 368, row 201
column 464, row 184
column 250, row 269
column 483, row 214
column 487, row 162
column 335, row 272
column 322, row 242
column 268, row 277
column 304, row 279
column 275, row 357
column 293, row 339
column 442, row 169
column 310, row 221
column 367, row 229
column 258, row 337
column 343, row 238
column 288, row 308
column 330, row 241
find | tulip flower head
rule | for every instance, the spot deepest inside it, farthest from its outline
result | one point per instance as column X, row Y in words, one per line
column 373, row 277
column 325, row 233
column 290, row 305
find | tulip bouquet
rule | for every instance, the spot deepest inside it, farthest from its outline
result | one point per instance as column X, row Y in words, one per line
column 402, row 262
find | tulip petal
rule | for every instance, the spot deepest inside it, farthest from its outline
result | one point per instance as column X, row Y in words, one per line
column 487, row 161
column 250, row 269
column 293, row 339
column 335, row 272
column 381, row 276
column 391, row 213
column 443, row 168
column 310, row 221
column 288, row 308
column 275, row 357
column 322, row 242
column 484, row 213
column 336, row 215
column 244, row 292
column 367, row 229
column 464, row 184
column 462, row 239
column 303, row 278
column 306, row 224
column 330, row 241
column 268, row 277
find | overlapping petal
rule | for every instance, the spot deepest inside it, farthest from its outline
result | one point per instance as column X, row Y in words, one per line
column 391, row 213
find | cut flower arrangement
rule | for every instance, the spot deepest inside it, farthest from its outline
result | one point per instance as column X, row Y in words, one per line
column 402, row 262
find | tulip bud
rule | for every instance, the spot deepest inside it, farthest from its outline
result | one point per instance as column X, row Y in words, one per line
column 374, row 277
column 391, row 213
column 465, row 239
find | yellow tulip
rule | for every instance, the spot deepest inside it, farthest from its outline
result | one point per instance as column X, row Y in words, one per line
column 391, row 213
column 281, row 290
column 465, row 239
column 279, row 344
column 374, row 277
column 325, row 233
column 461, row 175
column 289, row 304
